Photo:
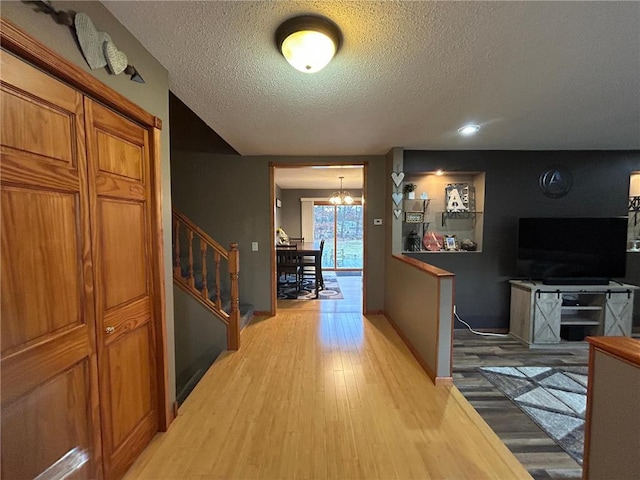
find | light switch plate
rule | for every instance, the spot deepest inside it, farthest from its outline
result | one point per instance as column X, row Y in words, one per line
column 377, row 221
column 254, row 246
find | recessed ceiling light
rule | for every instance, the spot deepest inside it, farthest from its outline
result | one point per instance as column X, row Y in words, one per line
column 468, row 129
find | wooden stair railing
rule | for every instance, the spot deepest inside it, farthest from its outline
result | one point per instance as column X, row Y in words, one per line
column 188, row 283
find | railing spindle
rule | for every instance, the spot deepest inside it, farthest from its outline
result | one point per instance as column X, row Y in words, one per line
column 216, row 259
column 191, row 279
column 233, row 329
column 232, row 256
column 177, row 267
column 205, row 288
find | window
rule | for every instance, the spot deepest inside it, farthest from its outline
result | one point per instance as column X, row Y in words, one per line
column 341, row 227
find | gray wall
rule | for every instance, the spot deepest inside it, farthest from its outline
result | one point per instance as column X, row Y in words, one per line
column 420, row 305
column 228, row 196
column 278, row 211
column 200, row 337
column 600, row 188
column 151, row 96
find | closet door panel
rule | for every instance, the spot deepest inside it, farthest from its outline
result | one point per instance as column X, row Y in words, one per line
column 125, row 269
column 131, row 399
column 55, row 413
column 119, row 156
column 49, row 396
column 49, row 135
column 120, row 194
column 34, row 215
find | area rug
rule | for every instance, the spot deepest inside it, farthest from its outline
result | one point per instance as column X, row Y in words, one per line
column 331, row 290
column 555, row 398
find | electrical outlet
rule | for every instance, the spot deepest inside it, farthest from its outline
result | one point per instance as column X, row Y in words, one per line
column 254, row 246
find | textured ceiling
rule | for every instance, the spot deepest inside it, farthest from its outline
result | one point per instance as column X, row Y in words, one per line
column 319, row 177
column 535, row 75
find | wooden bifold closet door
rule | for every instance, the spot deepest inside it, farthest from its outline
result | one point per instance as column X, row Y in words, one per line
column 79, row 388
column 119, row 175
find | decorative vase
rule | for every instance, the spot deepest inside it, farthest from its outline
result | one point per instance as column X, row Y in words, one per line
column 411, row 195
column 413, row 241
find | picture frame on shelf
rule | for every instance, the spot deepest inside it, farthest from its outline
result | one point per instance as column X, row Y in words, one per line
column 457, row 197
column 450, row 243
column 413, row 217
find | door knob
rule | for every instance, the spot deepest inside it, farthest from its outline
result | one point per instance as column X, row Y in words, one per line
column 110, row 330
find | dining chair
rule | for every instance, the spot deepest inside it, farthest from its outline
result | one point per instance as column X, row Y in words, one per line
column 288, row 263
column 308, row 269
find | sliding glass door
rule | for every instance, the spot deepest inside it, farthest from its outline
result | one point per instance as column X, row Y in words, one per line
column 341, row 227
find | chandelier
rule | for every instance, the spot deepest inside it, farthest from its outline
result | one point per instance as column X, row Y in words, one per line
column 341, row 196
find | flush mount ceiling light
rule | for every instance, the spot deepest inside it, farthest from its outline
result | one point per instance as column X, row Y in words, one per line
column 308, row 42
column 468, row 130
column 341, row 196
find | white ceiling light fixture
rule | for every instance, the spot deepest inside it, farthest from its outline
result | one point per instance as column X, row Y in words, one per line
column 469, row 130
column 308, row 42
column 341, row 197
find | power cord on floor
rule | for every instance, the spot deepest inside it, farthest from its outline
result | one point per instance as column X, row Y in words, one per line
column 484, row 334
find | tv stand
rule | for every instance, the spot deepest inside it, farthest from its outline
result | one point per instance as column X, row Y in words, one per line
column 575, row 281
column 544, row 314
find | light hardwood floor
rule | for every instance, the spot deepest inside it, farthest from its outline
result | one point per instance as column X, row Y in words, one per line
column 317, row 394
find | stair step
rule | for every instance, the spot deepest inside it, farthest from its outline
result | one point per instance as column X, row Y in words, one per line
column 246, row 314
column 246, row 309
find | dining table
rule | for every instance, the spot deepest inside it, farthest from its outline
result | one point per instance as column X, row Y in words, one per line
column 307, row 249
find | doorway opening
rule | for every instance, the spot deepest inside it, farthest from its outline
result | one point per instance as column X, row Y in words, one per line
column 304, row 215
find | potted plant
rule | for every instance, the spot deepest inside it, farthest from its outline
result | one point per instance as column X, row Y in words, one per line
column 409, row 190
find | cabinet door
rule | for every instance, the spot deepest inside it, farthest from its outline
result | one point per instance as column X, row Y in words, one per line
column 521, row 309
column 49, row 382
column 618, row 313
column 546, row 318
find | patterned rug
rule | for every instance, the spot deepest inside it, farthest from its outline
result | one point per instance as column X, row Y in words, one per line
column 555, row 398
column 331, row 290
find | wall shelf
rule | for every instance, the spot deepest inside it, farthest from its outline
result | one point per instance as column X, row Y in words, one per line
column 454, row 207
column 579, row 321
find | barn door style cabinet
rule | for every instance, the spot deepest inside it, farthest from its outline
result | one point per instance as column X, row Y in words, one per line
column 548, row 314
column 82, row 361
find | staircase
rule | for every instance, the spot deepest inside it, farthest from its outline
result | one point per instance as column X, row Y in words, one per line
column 209, row 274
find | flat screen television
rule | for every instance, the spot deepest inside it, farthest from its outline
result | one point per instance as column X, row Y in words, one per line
column 572, row 250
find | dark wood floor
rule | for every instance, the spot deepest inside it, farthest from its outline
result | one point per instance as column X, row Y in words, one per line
column 536, row 451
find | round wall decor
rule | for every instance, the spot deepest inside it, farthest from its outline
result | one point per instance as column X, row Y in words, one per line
column 555, row 182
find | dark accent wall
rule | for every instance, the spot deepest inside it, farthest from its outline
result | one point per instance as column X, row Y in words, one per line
column 600, row 188
column 189, row 132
